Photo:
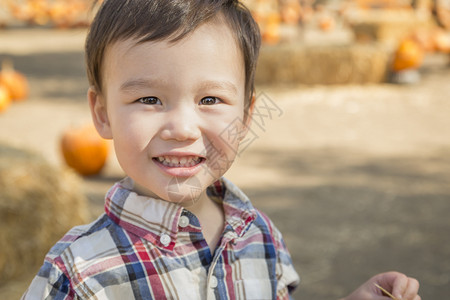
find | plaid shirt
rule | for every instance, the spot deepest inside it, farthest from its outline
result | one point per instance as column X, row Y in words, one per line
column 144, row 248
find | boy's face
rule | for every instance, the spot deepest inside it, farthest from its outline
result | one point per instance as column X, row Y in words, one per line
column 174, row 110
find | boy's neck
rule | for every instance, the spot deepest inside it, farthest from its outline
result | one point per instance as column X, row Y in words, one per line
column 197, row 206
column 209, row 213
column 212, row 219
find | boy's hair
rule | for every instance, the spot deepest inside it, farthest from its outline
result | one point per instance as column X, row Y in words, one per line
column 156, row 20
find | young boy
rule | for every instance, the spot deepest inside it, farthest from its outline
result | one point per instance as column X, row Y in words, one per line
column 169, row 81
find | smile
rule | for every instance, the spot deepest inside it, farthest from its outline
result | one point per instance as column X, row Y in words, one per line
column 179, row 161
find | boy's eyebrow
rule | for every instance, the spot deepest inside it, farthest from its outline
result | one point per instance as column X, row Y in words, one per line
column 136, row 83
column 218, row 85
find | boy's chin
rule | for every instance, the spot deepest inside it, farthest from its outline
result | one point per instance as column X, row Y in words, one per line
column 184, row 191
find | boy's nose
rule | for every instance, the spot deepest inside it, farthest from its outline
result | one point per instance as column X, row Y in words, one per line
column 181, row 125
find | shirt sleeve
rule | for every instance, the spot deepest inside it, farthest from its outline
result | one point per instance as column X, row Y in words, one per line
column 50, row 283
column 287, row 277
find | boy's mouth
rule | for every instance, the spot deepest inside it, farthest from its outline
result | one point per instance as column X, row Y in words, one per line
column 179, row 161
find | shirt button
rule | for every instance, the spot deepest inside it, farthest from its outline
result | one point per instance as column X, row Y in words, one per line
column 213, row 282
column 183, row 222
column 165, row 240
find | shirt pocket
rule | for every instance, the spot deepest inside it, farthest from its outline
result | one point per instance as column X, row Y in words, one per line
column 256, row 289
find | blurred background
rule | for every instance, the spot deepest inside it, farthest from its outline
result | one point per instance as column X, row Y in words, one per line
column 350, row 154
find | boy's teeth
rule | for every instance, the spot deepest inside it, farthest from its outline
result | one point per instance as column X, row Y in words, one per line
column 173, row 161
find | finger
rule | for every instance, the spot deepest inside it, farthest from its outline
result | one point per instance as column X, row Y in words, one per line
column 412, row 289
column 399, row 285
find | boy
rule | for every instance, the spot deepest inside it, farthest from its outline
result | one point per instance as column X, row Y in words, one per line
column 168, row 79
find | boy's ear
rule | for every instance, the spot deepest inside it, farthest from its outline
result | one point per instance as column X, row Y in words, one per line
column 97, row 104
column 249, row 113
column 248, row 116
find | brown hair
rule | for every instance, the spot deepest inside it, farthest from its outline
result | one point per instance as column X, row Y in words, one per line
column 153, row 20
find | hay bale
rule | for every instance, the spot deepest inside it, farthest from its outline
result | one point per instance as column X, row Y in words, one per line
column 388, row 27
column 333, row 64
column 38, row 204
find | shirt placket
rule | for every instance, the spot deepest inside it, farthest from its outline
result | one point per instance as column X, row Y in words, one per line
column 212, row 279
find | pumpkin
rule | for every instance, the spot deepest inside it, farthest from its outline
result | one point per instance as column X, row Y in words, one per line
column 5, row 99
column 326, row 23
column 59, row 13
column 291, row 12
column 40, row 11
column 409, row 55
column 271, row 29
column 68, row 13
column 14, row 81
column 84, row 150
column 271, row 34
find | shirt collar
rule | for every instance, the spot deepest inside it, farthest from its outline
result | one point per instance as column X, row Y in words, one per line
column 151, row 218
column 239, row 211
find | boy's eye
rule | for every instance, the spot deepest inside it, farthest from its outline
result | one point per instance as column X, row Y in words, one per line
column 209, row 101
column 149, row 100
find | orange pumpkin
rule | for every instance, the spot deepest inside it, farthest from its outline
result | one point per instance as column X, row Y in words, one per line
column 271, row 34
column 40, row 13
column 84, row 150
column 409, row 55
column 14, row 81
column 291, row 12
column 5, row 99
column 68, row 13
column 326, row 23
column 58, row 14
column 271, row 29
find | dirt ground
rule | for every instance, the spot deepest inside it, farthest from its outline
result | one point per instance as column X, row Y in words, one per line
column 356, row 177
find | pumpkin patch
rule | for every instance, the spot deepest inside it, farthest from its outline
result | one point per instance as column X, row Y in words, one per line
column 59, row 13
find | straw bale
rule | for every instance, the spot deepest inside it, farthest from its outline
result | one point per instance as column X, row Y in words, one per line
column 38, row 204
column 388, row 27
column 333, row 64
